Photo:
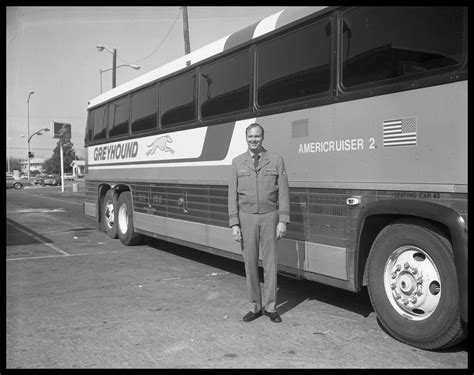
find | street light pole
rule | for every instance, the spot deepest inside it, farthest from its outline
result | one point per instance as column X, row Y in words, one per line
column 114, row 62
column 28, row 144
column 37, row 133
column 136, row 67
column 28, row 133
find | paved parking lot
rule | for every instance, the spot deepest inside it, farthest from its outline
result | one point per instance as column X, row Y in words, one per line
column 78, row 299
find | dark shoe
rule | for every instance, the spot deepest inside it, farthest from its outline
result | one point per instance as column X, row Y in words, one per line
column 252, row 316
column 274, row 316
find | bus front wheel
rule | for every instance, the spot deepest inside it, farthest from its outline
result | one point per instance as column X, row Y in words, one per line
column 412, row 285
column 125, row 229
column 108, row 214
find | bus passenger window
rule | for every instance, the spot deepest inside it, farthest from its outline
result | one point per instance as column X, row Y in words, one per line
column 295, row 65
column 89, row 128
column 144, row 109
column 178, row 100
column 386, row 43
column 118, row 117
column 225, row 85
column 98, row 123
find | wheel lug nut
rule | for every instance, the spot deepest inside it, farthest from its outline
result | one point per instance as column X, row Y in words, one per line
column 398, row 296
column 405, row 301
column 394, row 275
column 399, row 267
column 406, row 266
column 393, row 286
column 414, row 270
column 413, row 300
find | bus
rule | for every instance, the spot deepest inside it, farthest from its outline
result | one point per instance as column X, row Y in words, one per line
column 368, row 107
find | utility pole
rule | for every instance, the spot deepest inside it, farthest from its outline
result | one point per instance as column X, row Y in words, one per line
column 114, row 69
column 187, row 47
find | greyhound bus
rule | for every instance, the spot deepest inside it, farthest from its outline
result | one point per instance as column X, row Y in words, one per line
column 368, row 107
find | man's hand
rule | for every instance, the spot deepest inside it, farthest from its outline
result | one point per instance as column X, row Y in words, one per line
column 236, row 234
column 281, row 230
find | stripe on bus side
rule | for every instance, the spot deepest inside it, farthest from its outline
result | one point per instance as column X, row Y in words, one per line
column 219, row 146
column 240, row 37
column 266, row 25
column 290, row 15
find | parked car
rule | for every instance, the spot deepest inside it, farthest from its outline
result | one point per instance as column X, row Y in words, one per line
column 16, row 184
column 38, row 180
column 69, row 176
column 52, row 179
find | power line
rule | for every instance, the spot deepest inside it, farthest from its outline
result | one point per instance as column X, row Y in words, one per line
column 159, row 45
column 31, row 148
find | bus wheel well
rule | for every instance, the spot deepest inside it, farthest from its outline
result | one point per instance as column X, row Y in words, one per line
column 118, row 189
column 372, row 227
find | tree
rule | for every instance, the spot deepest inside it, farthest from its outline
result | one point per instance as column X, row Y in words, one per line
column 15, row 164
column 53, row 164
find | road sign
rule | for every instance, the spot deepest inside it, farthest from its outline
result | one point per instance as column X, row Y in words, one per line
column 61, row 130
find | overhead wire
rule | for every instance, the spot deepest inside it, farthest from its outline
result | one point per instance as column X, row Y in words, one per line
column 159, row 45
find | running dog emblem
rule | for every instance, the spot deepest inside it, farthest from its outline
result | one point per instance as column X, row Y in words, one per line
column 160, row 143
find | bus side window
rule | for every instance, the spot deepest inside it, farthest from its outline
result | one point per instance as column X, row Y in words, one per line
column 144, row 109
column 178, row 100
column 98, row 123
column 89, row 128
column 381, row 47
column 226, row 85
column 294, row 65
column 118, row 117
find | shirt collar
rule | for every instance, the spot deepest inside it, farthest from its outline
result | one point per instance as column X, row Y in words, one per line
column 260, row 153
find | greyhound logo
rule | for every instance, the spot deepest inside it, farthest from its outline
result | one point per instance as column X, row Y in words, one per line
column 160, row 143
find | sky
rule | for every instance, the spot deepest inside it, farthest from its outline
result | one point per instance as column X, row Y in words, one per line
column 52, row 51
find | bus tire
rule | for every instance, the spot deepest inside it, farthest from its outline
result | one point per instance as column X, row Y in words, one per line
column 412, row 285
column 108, row 214
column 125, row 228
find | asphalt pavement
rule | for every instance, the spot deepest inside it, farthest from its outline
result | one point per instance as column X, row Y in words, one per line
column 78, row 299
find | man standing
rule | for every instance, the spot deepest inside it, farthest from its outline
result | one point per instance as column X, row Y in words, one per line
column 259, row 210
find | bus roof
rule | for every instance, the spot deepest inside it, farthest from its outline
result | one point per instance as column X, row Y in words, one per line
column 266, row 25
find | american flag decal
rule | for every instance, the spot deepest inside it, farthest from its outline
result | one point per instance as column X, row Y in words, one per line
column 401, row 132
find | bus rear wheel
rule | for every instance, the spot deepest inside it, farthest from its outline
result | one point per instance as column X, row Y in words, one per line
column 108, row 214
column 125, row 228
column 412, row 285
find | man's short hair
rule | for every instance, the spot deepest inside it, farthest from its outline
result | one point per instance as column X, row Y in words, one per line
column 255, row 125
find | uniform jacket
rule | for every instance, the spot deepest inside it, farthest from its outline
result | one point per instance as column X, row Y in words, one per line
column 261, row 190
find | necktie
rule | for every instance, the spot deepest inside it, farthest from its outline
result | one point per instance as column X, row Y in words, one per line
column 255, row 160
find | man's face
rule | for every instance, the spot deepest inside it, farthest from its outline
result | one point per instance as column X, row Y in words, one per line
column 255, row 139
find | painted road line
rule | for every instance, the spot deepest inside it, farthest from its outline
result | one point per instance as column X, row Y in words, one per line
column 55, row 248
column 61, row 200
column 74, row 255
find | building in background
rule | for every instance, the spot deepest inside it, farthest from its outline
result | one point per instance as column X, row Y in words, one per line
column 36, row 164
column 78, row 167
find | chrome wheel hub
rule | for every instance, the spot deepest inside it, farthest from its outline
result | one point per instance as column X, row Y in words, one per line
column 109, row 213
column 412, row 283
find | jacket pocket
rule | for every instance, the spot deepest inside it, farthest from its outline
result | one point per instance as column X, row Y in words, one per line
column 270, row 177
column 243, row 180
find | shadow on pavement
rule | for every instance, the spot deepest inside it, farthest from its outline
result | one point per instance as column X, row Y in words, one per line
column 16, row 235
column 291, row 292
